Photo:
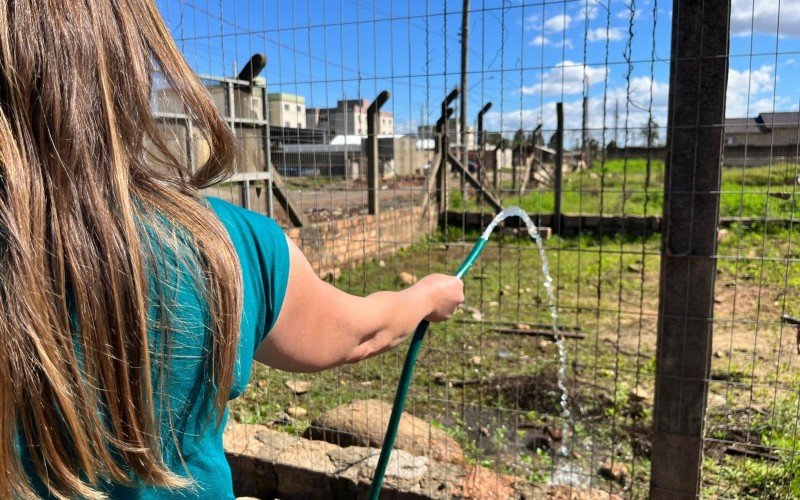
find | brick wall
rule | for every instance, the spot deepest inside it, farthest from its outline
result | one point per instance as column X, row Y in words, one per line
column 338, row 243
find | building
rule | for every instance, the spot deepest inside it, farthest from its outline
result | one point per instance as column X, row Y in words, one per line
column 767, row 129
column 453, row 133
column 767, row 138
column 349, row 117
column 287, row 110
column 398, row 155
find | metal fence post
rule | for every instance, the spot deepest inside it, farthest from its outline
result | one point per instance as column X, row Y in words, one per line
column 444, row 140
column 698, row 74
column 373, row 170
column 559, row 168
column 482, row 141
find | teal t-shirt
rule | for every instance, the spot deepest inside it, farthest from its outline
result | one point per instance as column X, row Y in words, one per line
column 264, row 258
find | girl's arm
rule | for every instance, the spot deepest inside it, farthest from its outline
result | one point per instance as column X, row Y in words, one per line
column 320, row 327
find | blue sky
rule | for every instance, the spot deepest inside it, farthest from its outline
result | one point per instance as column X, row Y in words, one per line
column 524, row 55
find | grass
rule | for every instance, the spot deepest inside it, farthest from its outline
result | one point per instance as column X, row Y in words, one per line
column 609, row 287
column 752, row 478
column 635, row 187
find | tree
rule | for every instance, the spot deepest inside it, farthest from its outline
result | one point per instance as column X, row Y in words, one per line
column 496, row 139
column 519, row 141
column 650, row 132
column 553, row 142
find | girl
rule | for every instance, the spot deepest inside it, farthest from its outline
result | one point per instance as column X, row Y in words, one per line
column 131, row 307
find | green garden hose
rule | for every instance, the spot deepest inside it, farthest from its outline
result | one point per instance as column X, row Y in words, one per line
column 405, row 380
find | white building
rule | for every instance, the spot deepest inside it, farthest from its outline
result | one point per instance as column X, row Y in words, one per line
column 349, row 117
column 453, row 133
column 287, row 110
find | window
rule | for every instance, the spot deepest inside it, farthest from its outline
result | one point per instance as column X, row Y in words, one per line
column 286, row 107
column 287, row 124
column 298, row 109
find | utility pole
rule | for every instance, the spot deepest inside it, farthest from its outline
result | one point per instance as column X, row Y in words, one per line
column 464, row 56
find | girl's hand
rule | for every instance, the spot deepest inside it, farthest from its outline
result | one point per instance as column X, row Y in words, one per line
column 445, row 293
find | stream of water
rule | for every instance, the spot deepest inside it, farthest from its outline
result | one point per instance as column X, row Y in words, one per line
column 551, row 297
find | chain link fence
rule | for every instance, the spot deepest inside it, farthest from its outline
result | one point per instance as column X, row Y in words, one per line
column 565, row 109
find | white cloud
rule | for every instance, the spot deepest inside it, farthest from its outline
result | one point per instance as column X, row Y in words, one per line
column 589, row 11
column 625, row 12
column 763, row 16
column 532, row 23
column 600, row 34
column 747, row 90
column 539, row 41
column 558, row 22
column 566, row 78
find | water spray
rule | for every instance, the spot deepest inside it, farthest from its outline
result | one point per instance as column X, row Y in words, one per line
column 416, row 342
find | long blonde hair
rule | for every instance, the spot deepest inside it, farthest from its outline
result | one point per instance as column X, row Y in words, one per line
column 76, row 186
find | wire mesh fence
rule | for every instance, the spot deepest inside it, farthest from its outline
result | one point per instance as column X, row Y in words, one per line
column 562, row 108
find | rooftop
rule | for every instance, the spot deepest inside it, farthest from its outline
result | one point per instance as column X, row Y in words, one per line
column 283, row 96
column 764, row 123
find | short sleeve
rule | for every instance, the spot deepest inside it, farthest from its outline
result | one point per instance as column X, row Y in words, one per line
column 264, row 258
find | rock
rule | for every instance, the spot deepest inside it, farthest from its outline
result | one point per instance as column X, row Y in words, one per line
column 504, row 292
column 381, row 264
column 528, row 289
column 522, row 326
column 634, row 268
column 507, row 287
column 717, row 300
column 484, row 431
column 504, row 355
column 720, row 354
column 475, row 360
column 614, row 471
column 406, row 279
column 298, row 386
column 402, row 465
column 364, row 422
column 722, row 234
column 481, row 482
column 477, row 315
column 282, row 418
column 494, row 303
column 543, row 345
column 296, row 411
